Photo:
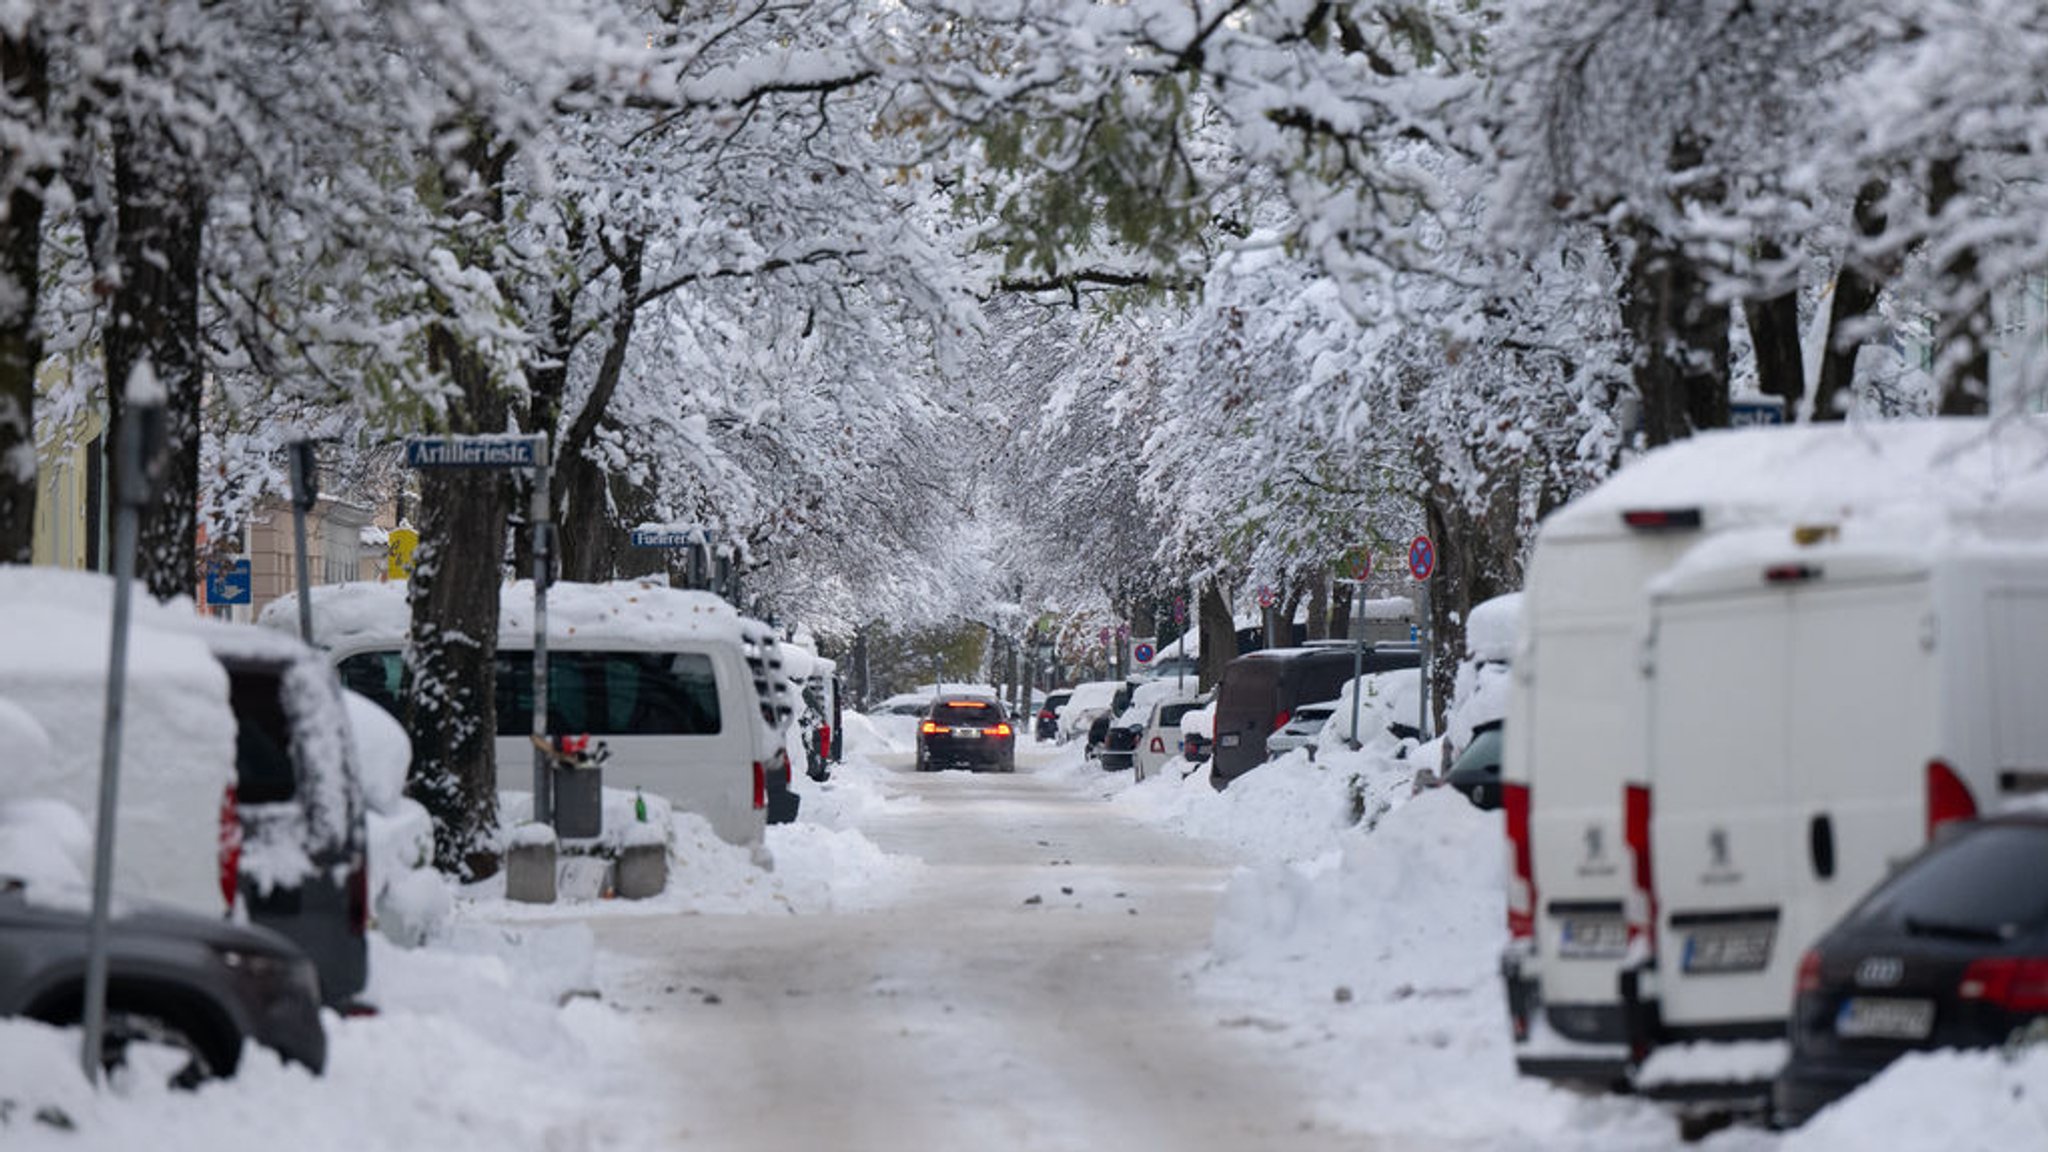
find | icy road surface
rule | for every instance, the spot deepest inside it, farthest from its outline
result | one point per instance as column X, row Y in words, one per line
column 1028, row 993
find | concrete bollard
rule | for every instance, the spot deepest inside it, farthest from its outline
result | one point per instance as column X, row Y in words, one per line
column 642, row 870
column 530, row 865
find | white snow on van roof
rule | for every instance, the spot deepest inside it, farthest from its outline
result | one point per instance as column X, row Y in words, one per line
column 620, row 611
column 1741, row 475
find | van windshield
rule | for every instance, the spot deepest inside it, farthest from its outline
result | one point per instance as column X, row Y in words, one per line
column 589, row 693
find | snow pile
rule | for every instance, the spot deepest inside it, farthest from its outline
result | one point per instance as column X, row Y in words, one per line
column 1940, row 1102
column 1290, row 809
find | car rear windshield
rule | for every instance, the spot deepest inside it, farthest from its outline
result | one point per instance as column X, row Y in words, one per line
column 1170, row 714
column 589, row 693
column 263, row 737
column 968, row 714
column 1971, row 886
column 1248, row 688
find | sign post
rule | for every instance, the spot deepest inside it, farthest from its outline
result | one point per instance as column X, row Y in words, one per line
column 305, row 494
column 1354, row 569
column 1422, row 565
column 1180, row 664
column 514, row 452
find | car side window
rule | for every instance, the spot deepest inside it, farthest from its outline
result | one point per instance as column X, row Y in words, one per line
column 264, row 772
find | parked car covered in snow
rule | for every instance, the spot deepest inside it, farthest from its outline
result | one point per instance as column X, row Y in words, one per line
column 239, row 785
column 1162, row 740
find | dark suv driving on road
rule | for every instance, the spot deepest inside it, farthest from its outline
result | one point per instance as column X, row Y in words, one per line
column 966, row 732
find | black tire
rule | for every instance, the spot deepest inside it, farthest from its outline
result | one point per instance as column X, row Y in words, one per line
column 127, row 1027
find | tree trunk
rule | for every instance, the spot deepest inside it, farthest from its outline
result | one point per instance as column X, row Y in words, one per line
column 1478, row 557
column 451, row 661
column 1962, row 331
column 589, row 530
column 1339, row 623
column 1319, row 606
column 1856, row 290
column 1219, row 634
column 1774, row 333
column 160, row 213
column 24, row 80
column 1681, row 342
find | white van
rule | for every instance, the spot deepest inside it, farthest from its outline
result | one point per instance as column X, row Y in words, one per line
column 1821, row 700
column 676, row 684
column 1576, row 730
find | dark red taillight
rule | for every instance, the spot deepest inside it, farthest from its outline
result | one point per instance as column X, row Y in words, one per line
column 230, row 848
column 1514, row 803
column 1791, row 573
column 2014, row 983
column 1642, row 920
column 1281, row 721
column 1046, row 714
column 824, row 741
column 1661, row 519
column 359, row 897
column 1808, row 979
column 760, row 785
column 1159, row 746
column 1948, row 798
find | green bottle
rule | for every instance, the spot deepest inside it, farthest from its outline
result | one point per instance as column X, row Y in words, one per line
column 639, row 805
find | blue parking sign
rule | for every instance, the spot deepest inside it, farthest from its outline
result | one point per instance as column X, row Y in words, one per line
column 229, row 583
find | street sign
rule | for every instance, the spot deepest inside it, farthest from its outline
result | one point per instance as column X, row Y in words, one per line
column 474, row 451
column 1105, row 637
column 668, row 537
column 1123, row 631
column 1143, row 653
column 228, row 583
column 1180, row 610
column 400, row 543
column 1421, row 558
column 1356, row 564
column 1752, row 411
column 1265, row 595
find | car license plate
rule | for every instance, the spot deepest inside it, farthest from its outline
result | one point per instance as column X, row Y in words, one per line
column 1729, row 948
column 1227, row 740
column 1591, row 938
column 967, row 733
column 1885, row 1018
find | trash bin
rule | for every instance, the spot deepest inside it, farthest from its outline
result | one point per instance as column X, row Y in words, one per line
column 579, row 801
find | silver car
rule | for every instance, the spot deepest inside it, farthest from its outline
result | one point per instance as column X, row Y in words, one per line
column 1300, row 729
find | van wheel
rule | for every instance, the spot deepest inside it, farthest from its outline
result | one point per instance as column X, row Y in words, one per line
column 126, row 1029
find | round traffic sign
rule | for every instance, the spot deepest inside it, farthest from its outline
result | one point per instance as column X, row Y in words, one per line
column 1142, row 653
column 1180, row 609
column 1105, row 637
column 1265, row 595
column 1356, row 564
column 1421, row 558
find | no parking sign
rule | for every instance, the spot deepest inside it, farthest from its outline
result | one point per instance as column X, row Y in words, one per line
column 1421, row 558
column 1143, row 653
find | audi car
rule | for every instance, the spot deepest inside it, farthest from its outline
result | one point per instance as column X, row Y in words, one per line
column 971, row 732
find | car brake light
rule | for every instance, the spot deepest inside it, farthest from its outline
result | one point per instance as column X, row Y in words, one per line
column 1808, row 979
column 1514, row 802
column 358, row 897
column 760, row 785
column 1045, row 714
column 1280, row 723
column 1642, row 921
column 1791, row 573
column 1661, row 519
column 929, row 728
column 2015, row 983
column 1948, row 798
column 1158, row 746
column 230, row 847
column 1000, row 730
column 824, row 741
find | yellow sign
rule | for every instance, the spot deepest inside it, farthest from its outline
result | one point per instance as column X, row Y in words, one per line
column 402, row 542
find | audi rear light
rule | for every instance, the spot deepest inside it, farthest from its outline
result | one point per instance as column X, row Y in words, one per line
column 760, row 785
column 2014, row 983
column 1808, row 979
column 1514, row 803
column 230, row 847
column 1948, row 798
column 1642, row 920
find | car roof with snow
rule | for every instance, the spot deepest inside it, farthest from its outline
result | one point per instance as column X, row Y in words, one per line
column 618, row 613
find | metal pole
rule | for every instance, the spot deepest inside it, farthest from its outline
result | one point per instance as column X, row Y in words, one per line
column 305, row 490
column 1357, row 653
column 134, row 493
column 1422, row 719
column 543, row 540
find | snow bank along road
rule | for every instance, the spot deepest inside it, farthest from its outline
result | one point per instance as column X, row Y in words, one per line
column 1028, row 993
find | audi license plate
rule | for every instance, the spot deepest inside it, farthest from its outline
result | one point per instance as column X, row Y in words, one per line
column 967, row 733
column 1593, row 938
column 1885, row 1018
column 1729, row 948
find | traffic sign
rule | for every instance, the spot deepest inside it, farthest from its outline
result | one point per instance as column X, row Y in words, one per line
column 229, row 583
column 1180, row 609
column 1143, row 653
column 1356, row 564
column 400, row 543
column 668, row 537
column 1421, row 558
column 1265, row 595
column 1105, row 637
column 475, row 451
